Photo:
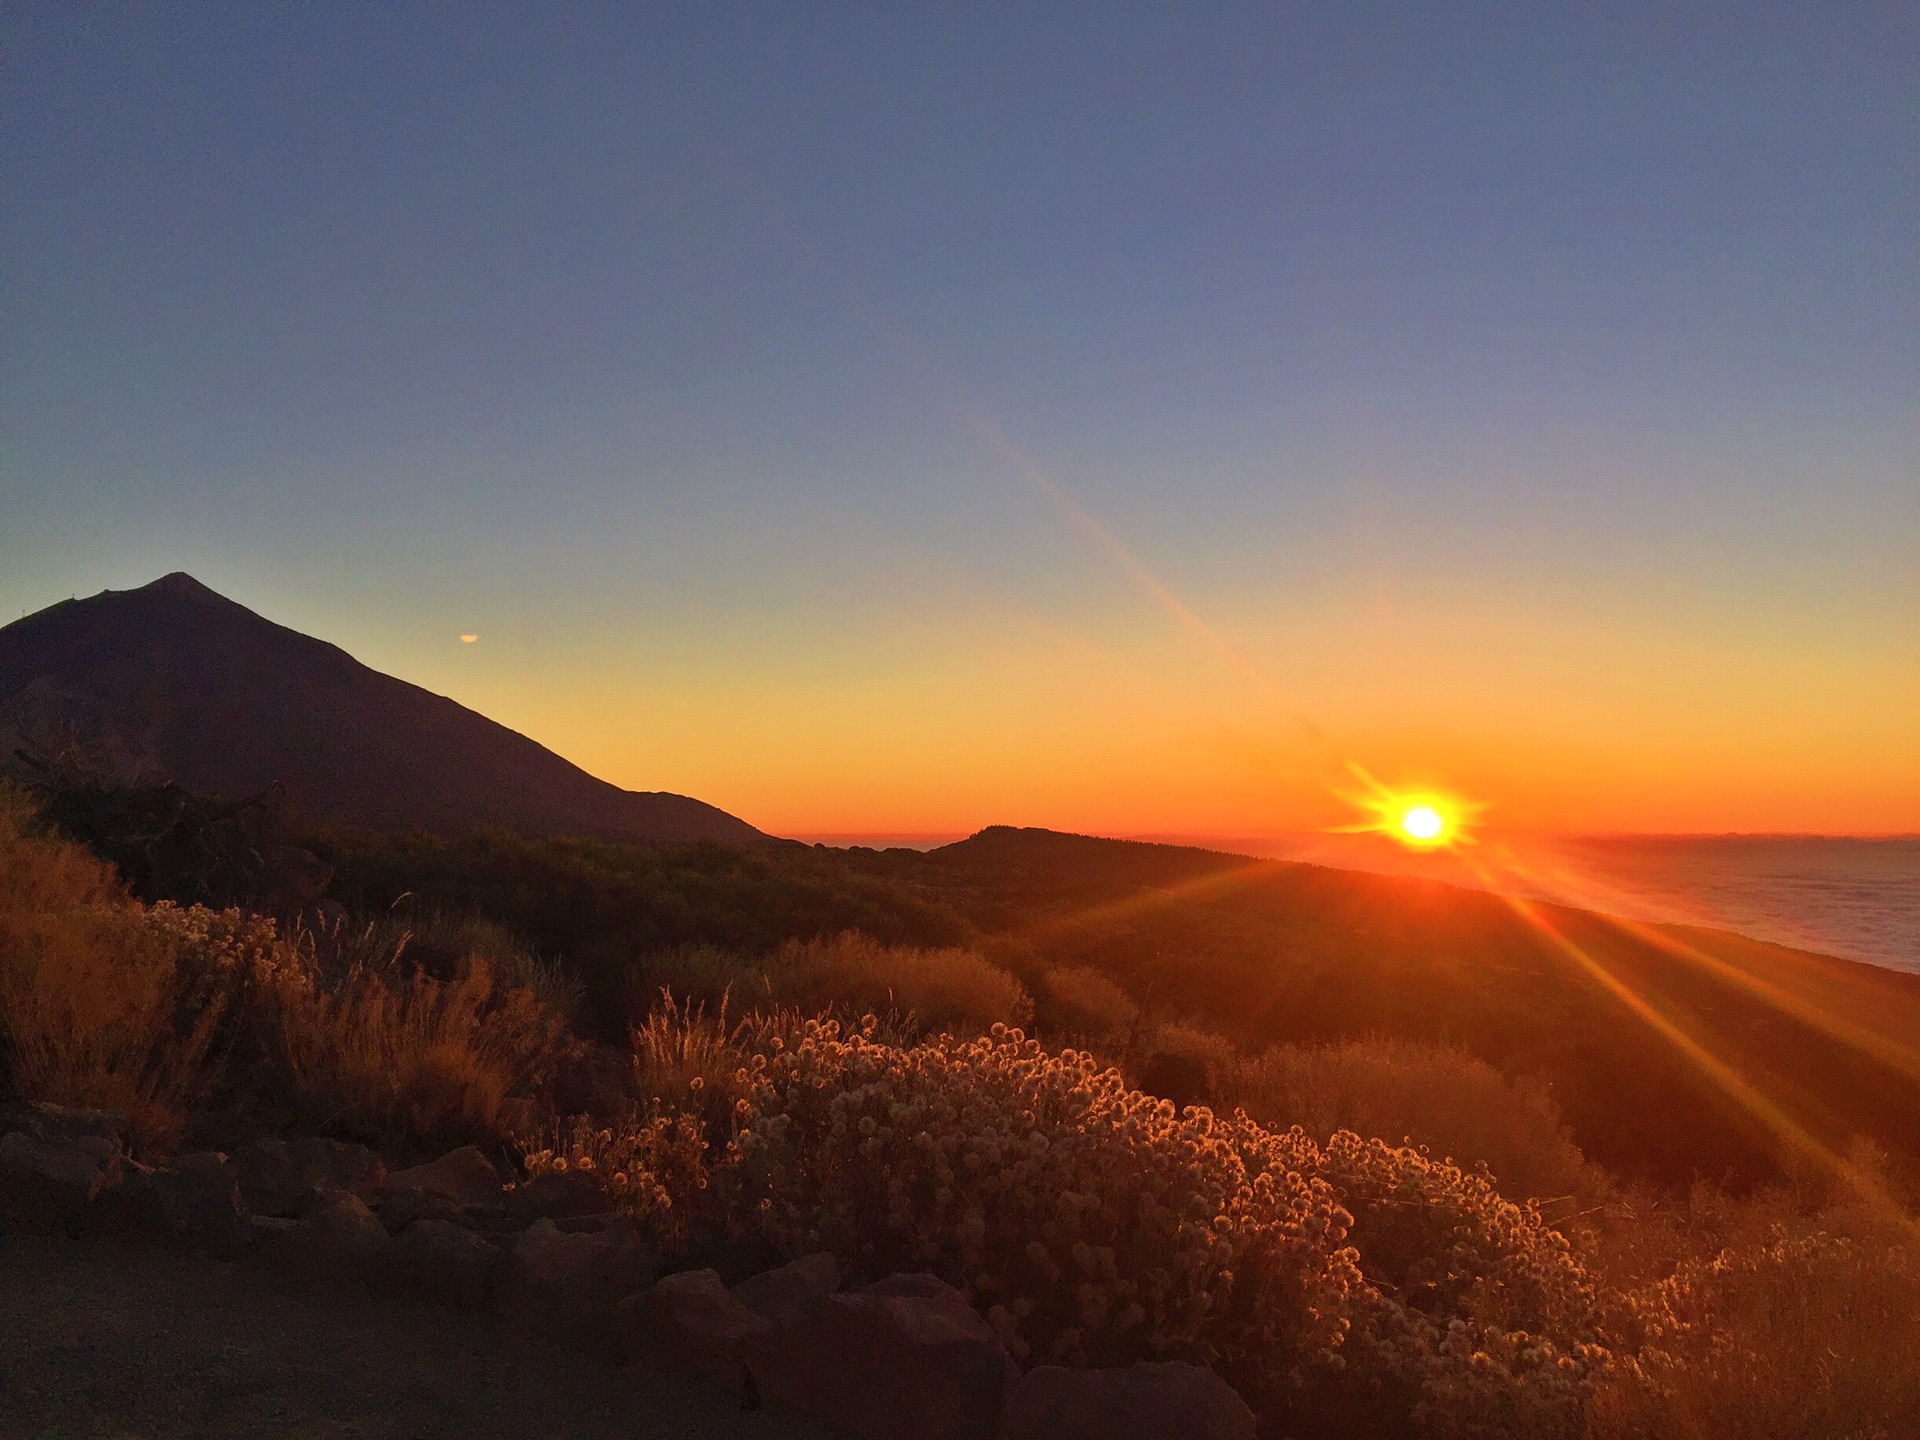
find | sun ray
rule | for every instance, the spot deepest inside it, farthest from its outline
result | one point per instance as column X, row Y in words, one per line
column 1723, row 1076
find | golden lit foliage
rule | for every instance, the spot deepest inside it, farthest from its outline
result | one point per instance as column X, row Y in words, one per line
column 406, row 1058
column 654, row 1168
column 98, row 1005
column 1093, row 1226
column 105, row 1003
column 1435, row 1096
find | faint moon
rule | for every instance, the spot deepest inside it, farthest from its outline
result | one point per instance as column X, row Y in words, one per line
column 468, row 639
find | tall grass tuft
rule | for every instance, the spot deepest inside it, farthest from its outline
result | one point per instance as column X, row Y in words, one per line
column 411, row 1061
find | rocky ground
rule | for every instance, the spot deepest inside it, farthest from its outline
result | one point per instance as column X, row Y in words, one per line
column 105, row 1337
column 300, row 1289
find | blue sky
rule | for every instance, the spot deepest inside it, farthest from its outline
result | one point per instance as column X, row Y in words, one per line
column 1575, row 346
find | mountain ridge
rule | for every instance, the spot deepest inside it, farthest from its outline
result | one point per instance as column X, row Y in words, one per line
column 173, row 682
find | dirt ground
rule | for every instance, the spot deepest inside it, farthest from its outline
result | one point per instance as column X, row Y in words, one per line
column 107, row 1339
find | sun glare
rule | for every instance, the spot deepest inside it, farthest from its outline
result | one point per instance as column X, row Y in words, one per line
column 1419, row 819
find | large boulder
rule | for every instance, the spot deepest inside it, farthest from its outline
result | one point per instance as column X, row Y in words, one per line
column 445, row 1261
column 1143, row 1402
column 50, row 1184
column 906, row 1356
column 792, row 1291
column 338, row 1239
column 282, row 1176
column 570, row 1285
column 464, row 1177
column 691, row 1321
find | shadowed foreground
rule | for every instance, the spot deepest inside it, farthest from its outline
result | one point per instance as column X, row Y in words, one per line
column 106, row 1339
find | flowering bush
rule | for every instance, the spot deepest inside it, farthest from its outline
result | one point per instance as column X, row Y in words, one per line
column 1093, row 1226
column 1478, row 1310
column 654, row 1169
column 1088, row 1222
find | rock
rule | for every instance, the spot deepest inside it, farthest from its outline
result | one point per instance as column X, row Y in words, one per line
column 464, row 1176
column 792, row 1291
column 1144, row 1402
column 200, row 1201
column 50, row 1184
column 691, row 1321
column 400, row 1210
column 192, row 1203
column 557, row 1197
column 445, row 1261
column 337, row 1240
column 570, row 1286
column 57, row 1124
column 280, row 1176
column 733, row 1260
column 907, row 1356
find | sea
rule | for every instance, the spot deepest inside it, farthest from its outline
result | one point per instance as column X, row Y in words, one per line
column 1858, row 898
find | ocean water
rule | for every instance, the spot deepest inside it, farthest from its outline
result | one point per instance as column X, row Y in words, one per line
column 1852, row 897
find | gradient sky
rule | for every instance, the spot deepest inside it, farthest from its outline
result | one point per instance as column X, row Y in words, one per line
column 1109, row 417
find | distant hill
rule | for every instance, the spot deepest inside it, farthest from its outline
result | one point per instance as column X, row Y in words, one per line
column 174, row 683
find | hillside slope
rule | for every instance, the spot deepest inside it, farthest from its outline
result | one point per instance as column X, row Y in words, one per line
column 172, row 682
column 1673, row 1050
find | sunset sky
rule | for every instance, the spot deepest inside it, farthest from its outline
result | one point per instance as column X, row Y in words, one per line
column 1118, row 418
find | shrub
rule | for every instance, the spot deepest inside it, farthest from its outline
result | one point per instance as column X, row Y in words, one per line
column 1427, row 1095
column 1089, row 1223
column 703, row 975
column 98, row 1006
column 1778, row 1324
column 950, row 989
column 1093, row 1226
column 1082, row 1001
column 687, row 1060
column 1480, row 1313
column 653, row 1168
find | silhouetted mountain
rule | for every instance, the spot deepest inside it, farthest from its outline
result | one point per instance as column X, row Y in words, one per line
column 174, row 683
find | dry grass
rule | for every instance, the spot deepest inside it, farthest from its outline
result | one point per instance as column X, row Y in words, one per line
column 1773, row 1324
column 91, row 995
column 414, row 1061
column 1425, row 1095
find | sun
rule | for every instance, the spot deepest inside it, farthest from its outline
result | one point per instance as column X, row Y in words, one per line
column 1420, row 819
column 1423, row 824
